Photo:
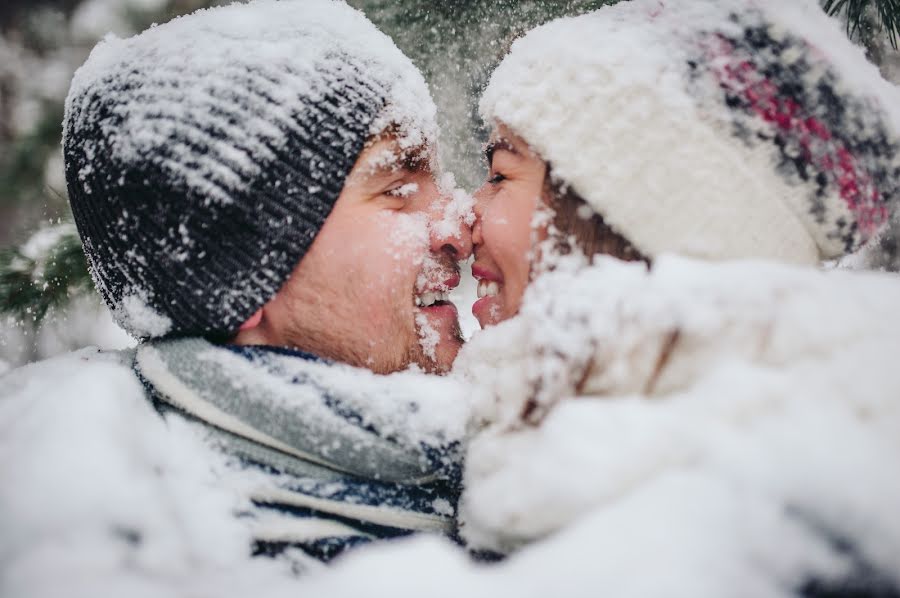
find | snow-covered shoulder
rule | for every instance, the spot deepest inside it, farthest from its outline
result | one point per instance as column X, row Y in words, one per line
column 102, row 496
column 736, row 425
column 619, row 329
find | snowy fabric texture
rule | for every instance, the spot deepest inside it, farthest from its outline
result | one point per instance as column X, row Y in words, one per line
column 765, row 469
column 755, row 129
column 332, row 457
column 101, row 495
column 736, row 426
column 758, row 452
column 204, row 155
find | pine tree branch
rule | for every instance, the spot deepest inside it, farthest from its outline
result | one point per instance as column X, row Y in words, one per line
column 888, row 12
column 34, row 281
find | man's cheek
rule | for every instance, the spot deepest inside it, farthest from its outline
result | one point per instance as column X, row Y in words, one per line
column 405, row 235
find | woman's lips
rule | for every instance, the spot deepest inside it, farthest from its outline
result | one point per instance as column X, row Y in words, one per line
column 487, row 308
column 482, row 273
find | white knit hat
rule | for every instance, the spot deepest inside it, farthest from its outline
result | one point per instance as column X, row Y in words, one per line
column 713, row 128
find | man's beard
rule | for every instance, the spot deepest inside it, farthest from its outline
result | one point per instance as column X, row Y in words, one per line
column 418, row 355
column 333, row 344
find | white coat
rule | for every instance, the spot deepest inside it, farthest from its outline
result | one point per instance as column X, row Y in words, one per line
column 732, row 423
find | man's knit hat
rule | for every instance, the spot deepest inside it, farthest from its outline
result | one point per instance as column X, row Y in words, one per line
column 204, row 155
column 713, row 128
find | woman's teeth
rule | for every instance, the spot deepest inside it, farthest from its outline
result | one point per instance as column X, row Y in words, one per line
column 429, row 299
column 487, row 288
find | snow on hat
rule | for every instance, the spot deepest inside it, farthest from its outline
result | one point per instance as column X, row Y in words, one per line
column 714, row 128
column 204, row 155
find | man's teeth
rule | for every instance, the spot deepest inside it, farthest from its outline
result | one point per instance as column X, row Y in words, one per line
column 429, row 299
column 488, row 288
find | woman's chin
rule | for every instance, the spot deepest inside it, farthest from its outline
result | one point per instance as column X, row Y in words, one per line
column 488, row 310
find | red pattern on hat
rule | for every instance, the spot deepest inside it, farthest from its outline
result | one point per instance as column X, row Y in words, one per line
column 820, row 148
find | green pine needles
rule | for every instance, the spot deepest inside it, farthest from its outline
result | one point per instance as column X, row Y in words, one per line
column 45, row 273
column 860, row 14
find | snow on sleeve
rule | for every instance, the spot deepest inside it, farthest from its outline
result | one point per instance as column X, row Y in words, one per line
column 755, row 475
column 100, row 494
column 775, row 410
column 759, row 474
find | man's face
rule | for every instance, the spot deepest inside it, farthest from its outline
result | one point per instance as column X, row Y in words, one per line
column 369, row 290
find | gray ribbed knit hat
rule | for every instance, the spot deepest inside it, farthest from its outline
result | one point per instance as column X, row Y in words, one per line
column 204, row 155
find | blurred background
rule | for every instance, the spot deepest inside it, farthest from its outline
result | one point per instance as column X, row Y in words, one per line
column 47, row 303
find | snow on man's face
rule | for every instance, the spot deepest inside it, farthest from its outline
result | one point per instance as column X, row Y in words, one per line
column 507, row 226
column 371, row 290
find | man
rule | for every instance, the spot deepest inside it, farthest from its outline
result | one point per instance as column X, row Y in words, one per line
column 254, row 187
column 202, row 166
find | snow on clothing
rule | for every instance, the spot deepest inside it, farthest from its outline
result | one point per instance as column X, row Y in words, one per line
column 339, row 474
column 100, row 493
column 737, row 430
column 308, row 459
column 237, row 123
column 755, row 129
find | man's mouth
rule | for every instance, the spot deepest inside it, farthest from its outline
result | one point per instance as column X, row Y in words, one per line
column 432, row 299
column 437, row 294
column 436, row 318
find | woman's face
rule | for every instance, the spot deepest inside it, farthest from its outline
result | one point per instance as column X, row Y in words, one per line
column 506, row 229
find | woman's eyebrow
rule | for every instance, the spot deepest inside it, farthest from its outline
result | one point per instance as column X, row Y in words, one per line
column 500, row 144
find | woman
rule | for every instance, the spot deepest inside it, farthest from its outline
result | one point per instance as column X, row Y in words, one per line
column 753, row 140
column 721, row 138
column 732, row 134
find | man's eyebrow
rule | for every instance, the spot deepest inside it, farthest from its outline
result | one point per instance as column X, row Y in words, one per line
column 383, row 170
column 500, row 144
column 400, row 160
column 414, row 160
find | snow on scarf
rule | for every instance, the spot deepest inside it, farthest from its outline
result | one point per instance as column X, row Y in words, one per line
column 331, row 456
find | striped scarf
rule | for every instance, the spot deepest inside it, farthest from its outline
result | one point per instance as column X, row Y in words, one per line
column 323, row 467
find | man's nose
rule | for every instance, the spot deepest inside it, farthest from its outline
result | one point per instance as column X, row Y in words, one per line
column 450, row 232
